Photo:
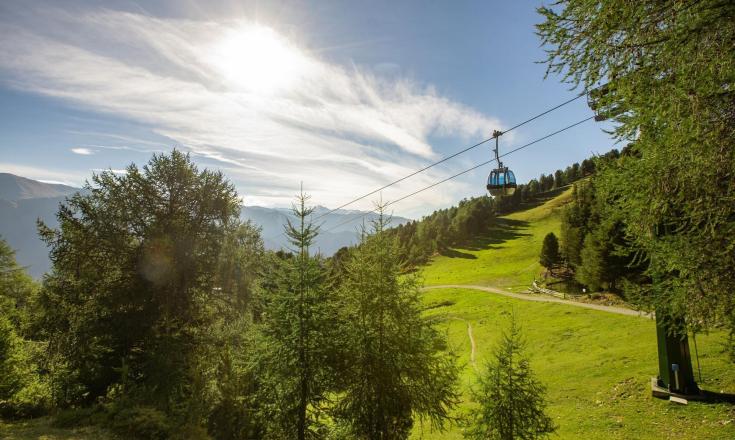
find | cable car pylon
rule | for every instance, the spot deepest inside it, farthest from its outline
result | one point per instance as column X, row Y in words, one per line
column 501, row 181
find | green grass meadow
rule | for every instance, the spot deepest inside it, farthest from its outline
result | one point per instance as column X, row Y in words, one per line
column 507, row 256
column 596, row 365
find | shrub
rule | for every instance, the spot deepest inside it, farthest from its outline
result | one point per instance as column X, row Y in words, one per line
column 75, row 417
column 33, row 400
column 23, row 393
column 140, row 422
column 192, row 432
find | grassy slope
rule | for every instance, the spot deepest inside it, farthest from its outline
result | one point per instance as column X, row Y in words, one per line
column 596, row 365
column 508, row 256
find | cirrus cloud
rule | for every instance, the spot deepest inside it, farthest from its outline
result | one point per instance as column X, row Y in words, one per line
column 341, row 130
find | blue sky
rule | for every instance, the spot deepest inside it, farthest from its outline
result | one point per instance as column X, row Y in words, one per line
column 342, row 96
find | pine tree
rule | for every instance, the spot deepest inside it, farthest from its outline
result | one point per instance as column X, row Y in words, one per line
column 18, row 292
column 512, row 403
column 559, row 179
column 296, row 336
column 591, row 271
column 550, row 251
column 396, row 366
column 578, row 218
column 606, row 257
column 572, row 239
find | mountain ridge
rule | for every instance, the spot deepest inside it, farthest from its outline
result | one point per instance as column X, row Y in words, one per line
column 23, row 201
column 14, row 188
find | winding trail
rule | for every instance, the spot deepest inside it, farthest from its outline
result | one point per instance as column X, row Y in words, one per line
column 472, row 343
column 473, row 347
column 540, row 298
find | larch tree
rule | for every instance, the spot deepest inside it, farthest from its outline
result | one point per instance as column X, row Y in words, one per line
column 297, row 336
column 23, row 392
column 668, row 70
column 396, row 365
column 135, row 260
column 511, row 400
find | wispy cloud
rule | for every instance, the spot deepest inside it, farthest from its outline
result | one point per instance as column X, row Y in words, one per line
column 114, row 171
column 82, row 151
column 131, row 143
column 43, row 174
column 341, row 130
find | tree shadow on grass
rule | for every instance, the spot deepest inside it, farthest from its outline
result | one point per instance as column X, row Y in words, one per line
column 539, row 200
column 454, row 253
column 502, row 230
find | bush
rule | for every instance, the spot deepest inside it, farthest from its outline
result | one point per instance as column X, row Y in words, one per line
column 75, row 417
column 140, row 422
column 130, row 421
column 33, row 400
column 23, row 393
column 192, row 432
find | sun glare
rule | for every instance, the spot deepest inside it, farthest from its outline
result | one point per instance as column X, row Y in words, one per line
column 257, row 59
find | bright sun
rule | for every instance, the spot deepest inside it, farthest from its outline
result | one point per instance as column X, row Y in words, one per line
column 257, row 59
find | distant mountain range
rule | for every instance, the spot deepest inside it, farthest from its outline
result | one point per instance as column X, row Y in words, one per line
column 23, row 200
column 337, row 229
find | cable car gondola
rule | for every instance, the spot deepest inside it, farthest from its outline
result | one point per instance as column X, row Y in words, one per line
column 501, row 181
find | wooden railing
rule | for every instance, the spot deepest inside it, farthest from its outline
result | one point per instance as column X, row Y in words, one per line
column 538, row 289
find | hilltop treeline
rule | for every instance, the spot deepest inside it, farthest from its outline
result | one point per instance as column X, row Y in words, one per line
column 419, row 240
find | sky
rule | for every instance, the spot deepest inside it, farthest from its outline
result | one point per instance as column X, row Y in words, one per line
column 341, row 97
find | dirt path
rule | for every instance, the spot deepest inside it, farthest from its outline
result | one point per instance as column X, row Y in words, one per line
column 473, row 347
column 543, row 298
column 472, row 344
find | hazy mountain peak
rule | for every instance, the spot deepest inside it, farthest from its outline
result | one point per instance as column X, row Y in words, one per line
column 14, row 188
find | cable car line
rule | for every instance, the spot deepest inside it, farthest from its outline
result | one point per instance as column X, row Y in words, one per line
column 495, row 135
column 463, row 172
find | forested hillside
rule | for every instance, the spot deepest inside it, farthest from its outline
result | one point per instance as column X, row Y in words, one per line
column 435, row 233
